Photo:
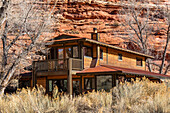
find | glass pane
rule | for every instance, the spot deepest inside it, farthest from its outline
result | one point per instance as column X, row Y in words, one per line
column 104, row 82
column 52, row 53
column 101, row 54
column 65, row 85
column 138, row 62
column 76, row 89
column 75, row 52
column 68, row 52
column 50, row 85
column 87, row 51
column 87, row 83
column 120, row 56
column 60, row 54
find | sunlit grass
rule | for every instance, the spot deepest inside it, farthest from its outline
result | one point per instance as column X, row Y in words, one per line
column 140, row 97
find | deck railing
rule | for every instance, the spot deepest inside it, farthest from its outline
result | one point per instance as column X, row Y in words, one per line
column 58, row 64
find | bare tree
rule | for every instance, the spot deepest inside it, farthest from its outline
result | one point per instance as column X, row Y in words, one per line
column 140, row 20
column 23, row 26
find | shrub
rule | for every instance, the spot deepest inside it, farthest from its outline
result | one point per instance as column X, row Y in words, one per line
column 138, row 96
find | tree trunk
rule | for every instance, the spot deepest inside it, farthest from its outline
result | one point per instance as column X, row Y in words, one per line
column 165, row 50
column 2, row 90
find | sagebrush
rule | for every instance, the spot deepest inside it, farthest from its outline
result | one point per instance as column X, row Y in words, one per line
column 136, row 97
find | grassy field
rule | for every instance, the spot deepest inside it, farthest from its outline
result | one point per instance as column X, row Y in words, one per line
column 137, row 97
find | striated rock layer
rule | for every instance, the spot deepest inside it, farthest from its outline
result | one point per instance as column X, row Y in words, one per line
column 81, row 16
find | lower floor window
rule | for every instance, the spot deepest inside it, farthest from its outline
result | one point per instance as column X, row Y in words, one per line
column 104, row 82
column 61, row 84
column 88, row 83
column 76, row 87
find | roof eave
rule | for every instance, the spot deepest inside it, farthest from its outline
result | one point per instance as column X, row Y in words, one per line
column 118, row 48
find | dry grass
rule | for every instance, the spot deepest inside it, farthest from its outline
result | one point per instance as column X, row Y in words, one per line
column 141, row 96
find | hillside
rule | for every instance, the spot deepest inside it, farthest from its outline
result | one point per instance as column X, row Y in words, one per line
column 79, row 17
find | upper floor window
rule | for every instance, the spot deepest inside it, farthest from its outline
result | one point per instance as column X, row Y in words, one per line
column 60, row 53
column 75, row 52
column 68, row 52
column 101, row 54
column 88, row 51
column 120, row 57
column 52, row 53
column 139, row 62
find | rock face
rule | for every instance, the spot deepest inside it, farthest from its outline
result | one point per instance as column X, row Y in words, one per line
column 81, row 16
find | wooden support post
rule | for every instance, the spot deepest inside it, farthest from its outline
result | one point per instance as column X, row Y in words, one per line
column 95, row 82
column 34, row 78
column 69, row 77
column 107, row 58
column 98, row 54
column 80, row 52
column 113, row 80
column 81, row 91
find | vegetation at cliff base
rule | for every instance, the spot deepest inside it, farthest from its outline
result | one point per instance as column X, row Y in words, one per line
column 136, row 97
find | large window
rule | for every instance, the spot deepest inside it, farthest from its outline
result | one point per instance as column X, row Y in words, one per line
column 61, row 84
column 139, row 62
column 88, row 51
column 104, row 82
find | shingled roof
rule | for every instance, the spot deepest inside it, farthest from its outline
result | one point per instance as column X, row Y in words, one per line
column 104, row 69
column 69, row 38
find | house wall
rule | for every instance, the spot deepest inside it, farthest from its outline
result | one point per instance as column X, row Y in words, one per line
column 104, row 60
column 87, row 59
column 110, row 56
column 42, row 81
column 128, row 61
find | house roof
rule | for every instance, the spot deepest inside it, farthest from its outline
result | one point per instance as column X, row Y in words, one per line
column 113, row 69
column 69, row 38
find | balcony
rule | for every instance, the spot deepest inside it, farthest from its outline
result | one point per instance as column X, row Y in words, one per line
column 58, row 65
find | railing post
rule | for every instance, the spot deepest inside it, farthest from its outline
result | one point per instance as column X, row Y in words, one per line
column 69, row 77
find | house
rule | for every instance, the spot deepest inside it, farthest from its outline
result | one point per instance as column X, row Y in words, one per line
column 77, row 64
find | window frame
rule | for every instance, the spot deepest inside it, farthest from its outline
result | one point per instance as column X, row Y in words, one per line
column 107, row 75
column 101, row 54
column 91, row 82
column 120, row 56
column 137, row 59
column 91, row 51
column 73, row 51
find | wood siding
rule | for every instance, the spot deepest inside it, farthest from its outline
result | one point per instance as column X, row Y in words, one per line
column 110, row 57
column 128, row 59
column 87, row 62
column 42, row 81
column 104, row 60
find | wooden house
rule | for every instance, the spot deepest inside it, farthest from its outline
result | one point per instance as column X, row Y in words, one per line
column 77, row 64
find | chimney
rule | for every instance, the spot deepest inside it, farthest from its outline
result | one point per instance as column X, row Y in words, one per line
column 95, row 35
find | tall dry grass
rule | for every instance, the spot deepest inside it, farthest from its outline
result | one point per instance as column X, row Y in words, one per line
column 137, row 97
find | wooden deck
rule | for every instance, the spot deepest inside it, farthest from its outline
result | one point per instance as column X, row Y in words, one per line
column 54, row 65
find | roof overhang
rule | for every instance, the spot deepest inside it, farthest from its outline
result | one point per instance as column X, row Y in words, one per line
column 108, row 69
column 76, row 38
